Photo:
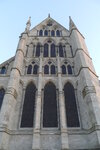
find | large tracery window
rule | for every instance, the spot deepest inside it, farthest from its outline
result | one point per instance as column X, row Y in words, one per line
column 50, row 118
column 29, row 106
column 2, row 92
column 46, row 50
column 71, row 106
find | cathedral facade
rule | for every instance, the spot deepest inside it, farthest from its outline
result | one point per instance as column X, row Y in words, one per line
column 49, row 92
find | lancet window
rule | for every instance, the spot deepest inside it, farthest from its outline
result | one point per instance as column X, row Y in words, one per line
column 66, row 68
column 27, row 119
column 3, row 70
column 33, row 68
column 50, row 118
column 50, row 68
column 2, row 92
column 71, row 106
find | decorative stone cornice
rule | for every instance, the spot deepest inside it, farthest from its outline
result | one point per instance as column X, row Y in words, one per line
column 87, row 90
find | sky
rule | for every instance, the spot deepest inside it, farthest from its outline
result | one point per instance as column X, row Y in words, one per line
column 15, row 13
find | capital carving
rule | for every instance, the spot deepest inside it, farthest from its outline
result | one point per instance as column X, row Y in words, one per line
column 12, row 91
column 87, row 90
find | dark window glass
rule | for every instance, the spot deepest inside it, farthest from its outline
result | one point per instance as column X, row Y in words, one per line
column 46, row 50
column 71, row 107
column 52, row 33
column 61, row 53
column 69, row 68
column 50, row 106
column 29, row 70
column 58, row 33
column 29, row 106
column 40, row 33
column 46, row 33
column 63, row 67
column 37, row 50
column 46, row 69
column 2, row 92
column 53, row 51
column 53, row 69
column 3, row 70
column 35, row 69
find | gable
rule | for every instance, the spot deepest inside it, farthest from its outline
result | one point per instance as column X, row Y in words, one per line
column 49, row 24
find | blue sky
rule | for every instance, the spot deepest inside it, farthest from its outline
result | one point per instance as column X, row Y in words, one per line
column 14, row 15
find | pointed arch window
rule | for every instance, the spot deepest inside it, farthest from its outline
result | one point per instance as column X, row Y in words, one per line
column 53, row 51
column 29, row 70
column 63, row 67
column 52, row 33
column 28, row 107
column 46, row 69
column 58, row 33
column 35, row 69
column 61, row 52
column 46, row 32
column 69, row 68
column 41, row 33
column 53, row 69
column 46, row 53
column 3, row 70
column 71, row 106
column 38, row 50
column 50, row 118
column 2, row 93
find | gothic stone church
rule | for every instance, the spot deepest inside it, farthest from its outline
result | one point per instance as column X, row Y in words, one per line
column 49, row 92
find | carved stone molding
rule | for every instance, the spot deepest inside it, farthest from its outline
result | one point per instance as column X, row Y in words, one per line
column 87, row 90
column 12, row 91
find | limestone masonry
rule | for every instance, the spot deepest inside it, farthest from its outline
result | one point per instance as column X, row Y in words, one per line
column 49, row 92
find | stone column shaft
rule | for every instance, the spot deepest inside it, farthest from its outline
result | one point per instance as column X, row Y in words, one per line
column 64, row 134
column 36, row 133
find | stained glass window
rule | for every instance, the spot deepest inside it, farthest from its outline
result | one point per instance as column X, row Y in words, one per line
column 71, row 106
column 29, row 106
column 50, row 106
column 29, row 70
column 2, row 92
column 69, row 68
column 53, row 51
column 46, row 50
column 38, row 50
